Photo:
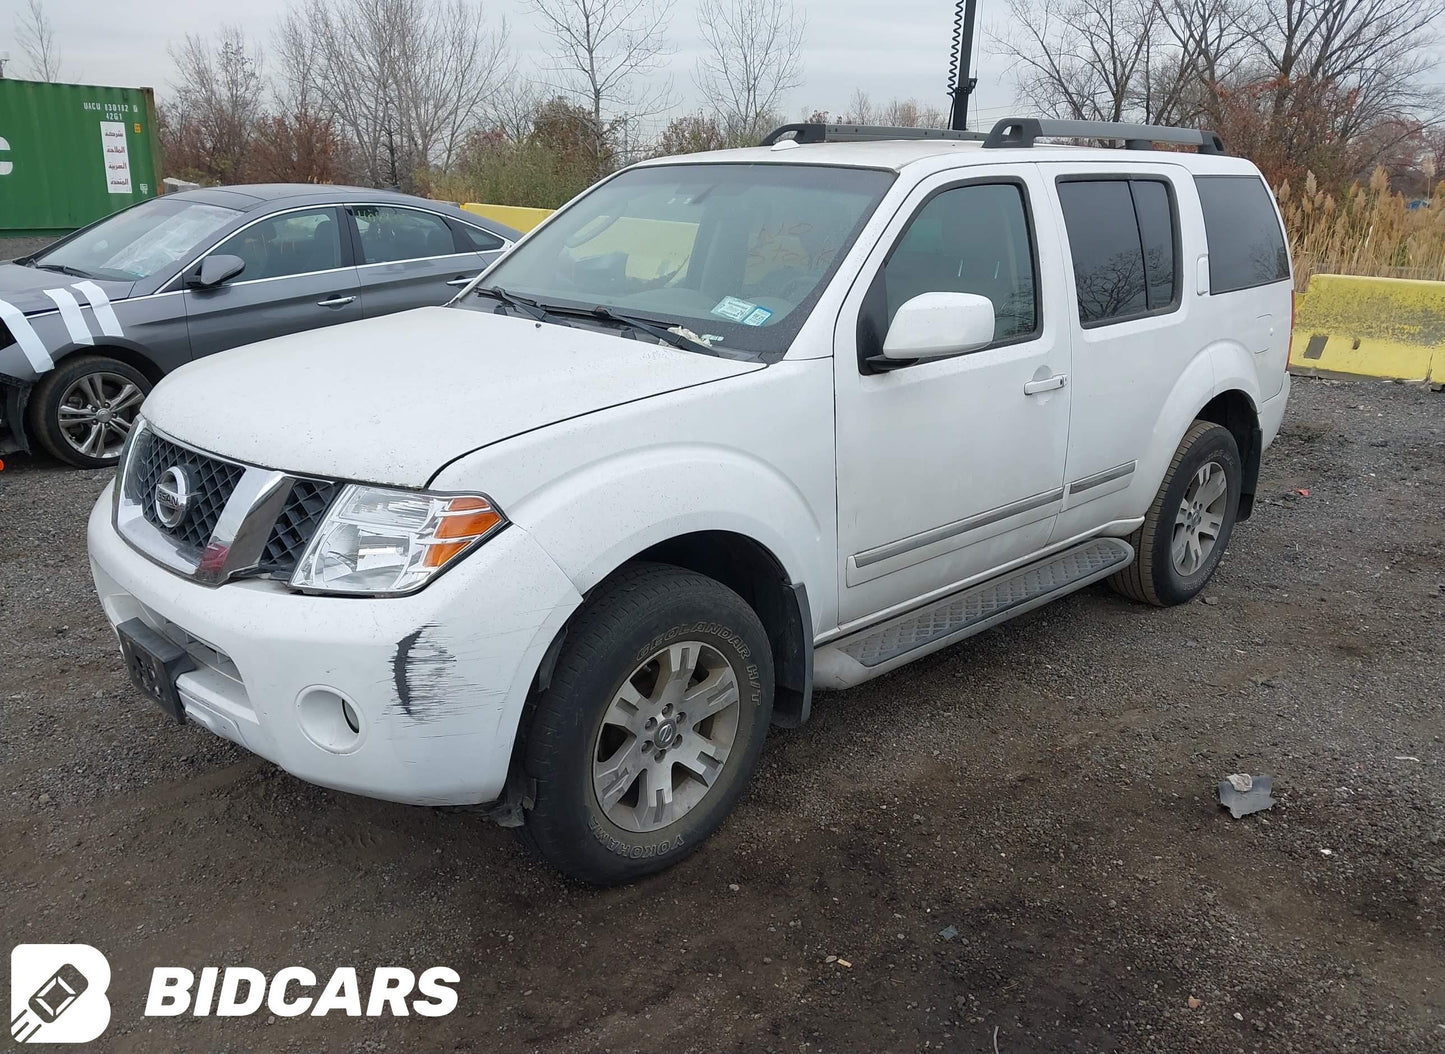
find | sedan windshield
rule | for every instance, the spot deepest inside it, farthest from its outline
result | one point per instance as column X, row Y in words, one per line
column 736, row 254
column 138, row 242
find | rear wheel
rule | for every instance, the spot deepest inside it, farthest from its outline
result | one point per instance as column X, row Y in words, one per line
column 83, row 410
column 650, row 727
column 1184, row 535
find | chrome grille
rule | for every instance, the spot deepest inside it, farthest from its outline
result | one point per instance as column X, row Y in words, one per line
column 214, row 480
column 296, row 523
column 241, row 519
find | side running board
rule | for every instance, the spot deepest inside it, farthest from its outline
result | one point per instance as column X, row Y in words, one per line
column 877, row 649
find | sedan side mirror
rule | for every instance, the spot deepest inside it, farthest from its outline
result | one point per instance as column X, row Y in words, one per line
column 214, row 270
column 935, row 325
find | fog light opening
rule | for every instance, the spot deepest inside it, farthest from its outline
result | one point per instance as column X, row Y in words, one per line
column 329, row 719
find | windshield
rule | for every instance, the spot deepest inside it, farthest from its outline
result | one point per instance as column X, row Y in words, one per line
column 138, row 242
column 736, row 253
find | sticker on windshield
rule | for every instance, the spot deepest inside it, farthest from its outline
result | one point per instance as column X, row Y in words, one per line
column 735, row 310
column 757, row 316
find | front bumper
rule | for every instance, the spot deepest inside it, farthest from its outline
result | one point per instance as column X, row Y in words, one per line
column 435, row 681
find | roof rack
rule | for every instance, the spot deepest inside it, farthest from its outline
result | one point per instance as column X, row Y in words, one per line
column 1008, row 132
column 1022, row 131
column 815, row 132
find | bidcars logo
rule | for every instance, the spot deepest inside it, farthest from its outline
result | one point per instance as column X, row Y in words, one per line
column 236, row 991
column 57, row 993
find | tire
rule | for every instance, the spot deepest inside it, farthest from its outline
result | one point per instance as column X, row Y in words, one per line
column 1158, row 575
column 82, row 410
column 592, row 822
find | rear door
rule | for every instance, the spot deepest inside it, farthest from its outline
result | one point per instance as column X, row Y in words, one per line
column 298, row 276
column 1136, row 324
column 409, row 257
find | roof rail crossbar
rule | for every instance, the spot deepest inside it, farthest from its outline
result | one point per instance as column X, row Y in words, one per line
column 815, row 132
column 1022, row 131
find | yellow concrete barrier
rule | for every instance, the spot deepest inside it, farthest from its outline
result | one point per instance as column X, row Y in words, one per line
column 1370, row 327
column 523, row 219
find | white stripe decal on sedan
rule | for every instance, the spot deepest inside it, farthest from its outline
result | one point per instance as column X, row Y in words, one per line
column 100, row 304
column 70, row 313
column 25, row 335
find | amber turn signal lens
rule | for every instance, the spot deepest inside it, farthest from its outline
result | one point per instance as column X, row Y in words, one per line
column 467, row 518
column 437, row 555
column 463, row 521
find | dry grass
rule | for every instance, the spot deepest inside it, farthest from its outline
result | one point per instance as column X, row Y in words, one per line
column 1368, row 231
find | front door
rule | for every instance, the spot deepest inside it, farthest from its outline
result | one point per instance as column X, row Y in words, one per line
column 298, row 276
column 950, row 468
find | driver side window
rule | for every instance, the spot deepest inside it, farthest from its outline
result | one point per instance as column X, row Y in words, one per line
column 969, row 239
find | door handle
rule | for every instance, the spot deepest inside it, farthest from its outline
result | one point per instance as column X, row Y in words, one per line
column 1048, row 384
column 335, row 301
column 460, row 281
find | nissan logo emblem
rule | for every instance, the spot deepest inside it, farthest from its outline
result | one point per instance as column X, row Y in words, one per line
column 173, row 496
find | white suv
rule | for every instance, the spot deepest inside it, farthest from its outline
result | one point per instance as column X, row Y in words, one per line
column 727, row 428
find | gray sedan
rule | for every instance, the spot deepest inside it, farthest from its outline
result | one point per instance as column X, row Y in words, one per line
column 90, row 323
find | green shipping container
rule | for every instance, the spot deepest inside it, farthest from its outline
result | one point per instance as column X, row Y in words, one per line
column 72, row 153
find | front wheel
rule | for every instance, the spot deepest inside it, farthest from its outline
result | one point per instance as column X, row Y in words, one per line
column 1184, row 534
column 82, row 411
column 650, row 727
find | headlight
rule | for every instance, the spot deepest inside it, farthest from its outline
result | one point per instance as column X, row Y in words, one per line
column 379, row 540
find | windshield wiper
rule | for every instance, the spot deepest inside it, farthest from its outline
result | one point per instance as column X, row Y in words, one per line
column 74, row 272
column 521, row 304
column 652, row 329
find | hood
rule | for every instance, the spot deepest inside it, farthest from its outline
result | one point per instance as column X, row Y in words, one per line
column 24, row 287
column 392, row 399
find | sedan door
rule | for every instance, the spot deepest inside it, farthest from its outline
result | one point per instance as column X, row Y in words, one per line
column 408, row 258
column 298, row 276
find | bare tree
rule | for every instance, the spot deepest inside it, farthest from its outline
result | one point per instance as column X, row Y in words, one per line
column 601, row 51
column 1083, row 59
column 512, row 111
column 219, row 91
column 895, row 113
column 1336, row 86
column 1375, row 49
column 36, row 37
column 406, row 80
column 752, row 58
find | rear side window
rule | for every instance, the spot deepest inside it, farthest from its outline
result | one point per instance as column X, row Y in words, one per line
column 1122, row 241
column 1246, row 246
column 390, row 235
column 480, row 240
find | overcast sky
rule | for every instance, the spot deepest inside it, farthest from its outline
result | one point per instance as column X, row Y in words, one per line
column 889, row 48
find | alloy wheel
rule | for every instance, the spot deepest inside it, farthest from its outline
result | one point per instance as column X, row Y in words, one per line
column 97, row 411
column 666, row 736
column 1200, row 518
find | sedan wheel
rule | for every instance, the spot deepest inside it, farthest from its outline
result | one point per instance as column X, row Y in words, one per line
column 83, row 410
column 96, row 413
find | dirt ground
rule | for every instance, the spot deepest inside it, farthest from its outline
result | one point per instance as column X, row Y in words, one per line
column 1045, row 789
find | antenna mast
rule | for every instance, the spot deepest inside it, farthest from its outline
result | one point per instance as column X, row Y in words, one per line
column 960, row 81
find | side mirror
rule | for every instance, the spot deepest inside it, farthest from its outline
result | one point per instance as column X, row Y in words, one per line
column 214, row 270
column 935, row 325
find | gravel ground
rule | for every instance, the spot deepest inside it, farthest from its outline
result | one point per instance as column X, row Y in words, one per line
column 1046, row 789
column 13, row 248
